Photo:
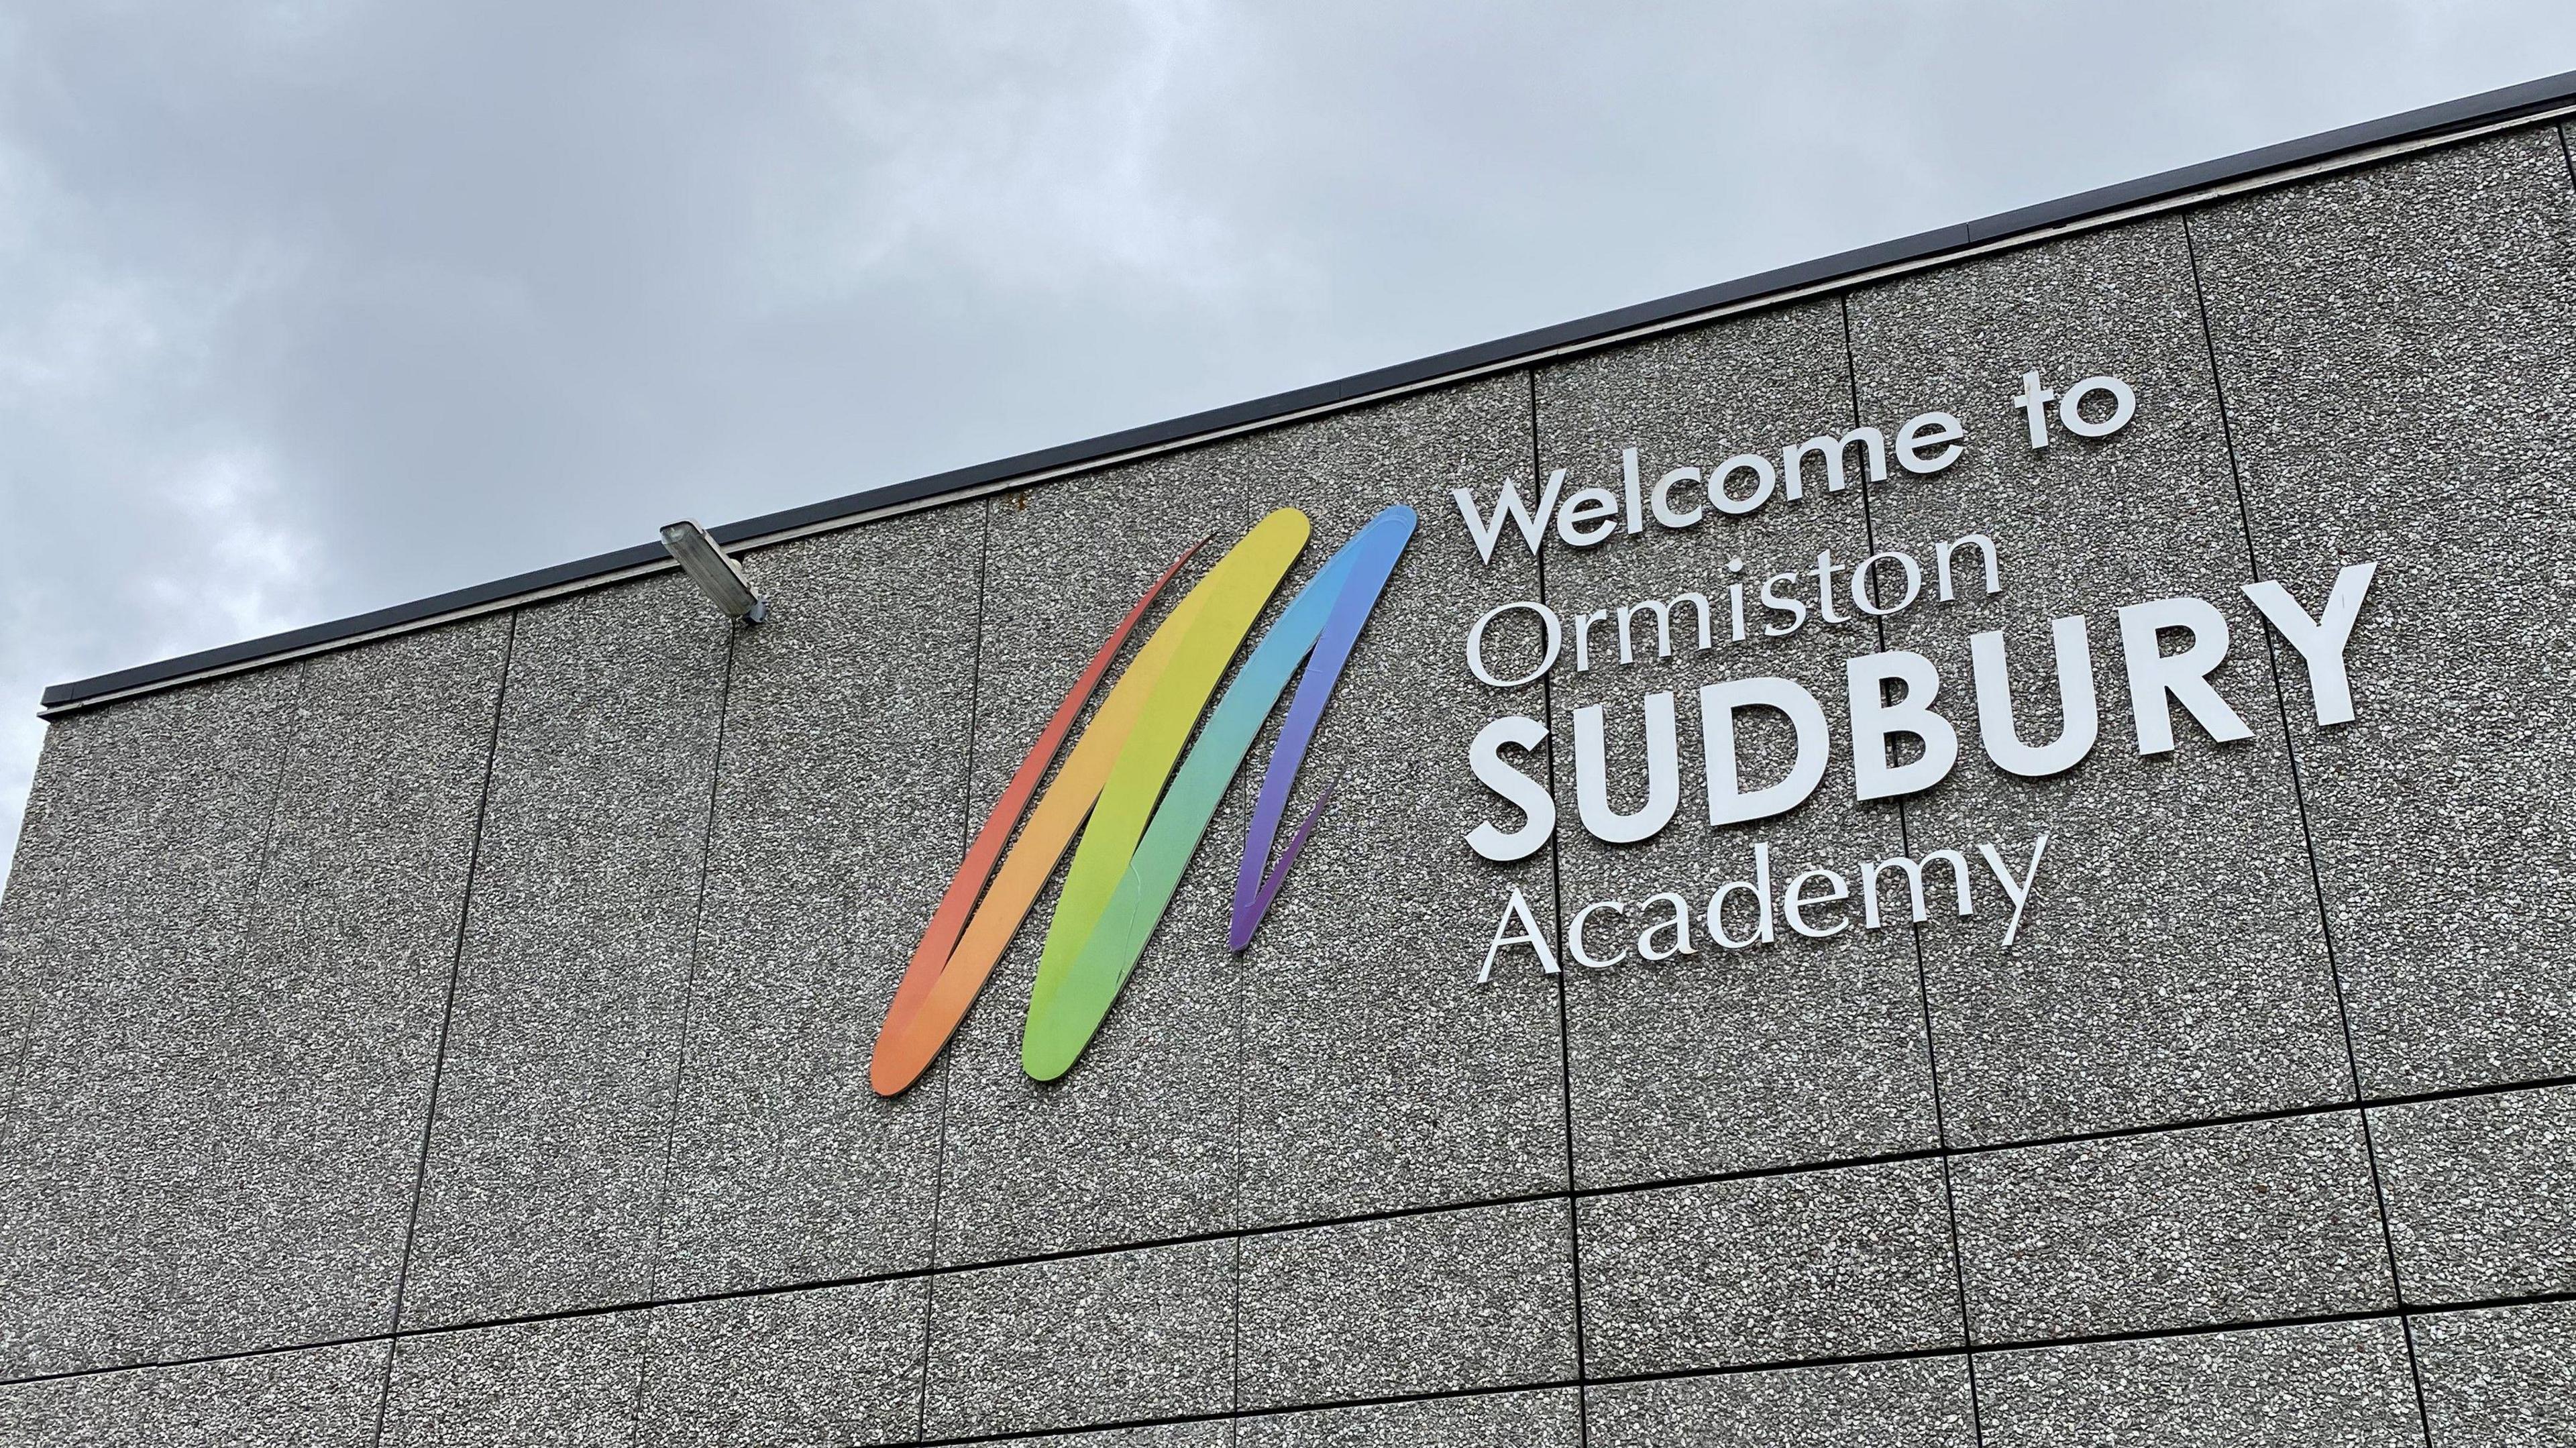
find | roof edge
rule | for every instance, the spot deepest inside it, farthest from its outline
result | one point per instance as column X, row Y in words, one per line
column 2428, row 125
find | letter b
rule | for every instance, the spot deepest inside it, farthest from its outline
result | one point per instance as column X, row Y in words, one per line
column 1875, row 719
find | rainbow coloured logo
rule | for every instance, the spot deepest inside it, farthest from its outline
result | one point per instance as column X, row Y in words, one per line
column 1137, row 837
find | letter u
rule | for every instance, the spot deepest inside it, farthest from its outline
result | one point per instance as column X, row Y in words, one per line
column 2075, row 695
column 1663, row 774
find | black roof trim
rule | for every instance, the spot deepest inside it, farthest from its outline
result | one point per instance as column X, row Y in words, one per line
column 2431, row 122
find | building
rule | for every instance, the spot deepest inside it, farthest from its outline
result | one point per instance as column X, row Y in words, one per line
column 455, row 1025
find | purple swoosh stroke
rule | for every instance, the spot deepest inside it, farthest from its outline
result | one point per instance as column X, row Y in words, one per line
column 1375, row 550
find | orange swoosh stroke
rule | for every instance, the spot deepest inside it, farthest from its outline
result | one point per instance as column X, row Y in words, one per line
column 944, row 977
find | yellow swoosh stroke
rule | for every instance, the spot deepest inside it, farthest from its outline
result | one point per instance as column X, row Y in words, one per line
column 1230, row 601
column 906, row 1048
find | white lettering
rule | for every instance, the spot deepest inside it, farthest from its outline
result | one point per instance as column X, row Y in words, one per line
column 1663, row 774
column 2156, row 677
column 2323, row 641
column 2018, row 891
column 1876, row 718
column 1932, row 429
column 1476, row 645
column 1797, row 901
column 1537, row 807
column 2076, row 707
column 1729, row 803
column 1516, row 911
column 1508, row 504
column 1574, row 935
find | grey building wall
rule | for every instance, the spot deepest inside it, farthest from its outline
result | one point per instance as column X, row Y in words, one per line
column 462, row 1038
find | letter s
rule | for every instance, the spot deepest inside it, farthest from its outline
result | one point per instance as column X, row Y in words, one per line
column 1517, row 789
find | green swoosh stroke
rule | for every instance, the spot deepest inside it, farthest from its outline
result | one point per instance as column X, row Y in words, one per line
column 1236, row 591
column 1067, row 1009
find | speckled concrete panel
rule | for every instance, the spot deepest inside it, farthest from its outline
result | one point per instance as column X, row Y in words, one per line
column 2172, row 1229
column 2481, row 1194
column 1811, row 1264
column 144, row 832
column 2171, row 965
column 355, row 937
column 2504, row 1377
column 321, row 1398
column 835, row 1365
column 1481, row 1298
column 1783, row 1054
column 233, row 1140
column 1204, row 1433
column 1377, row 1075
column 839, row 813
column 1138, row 1141
column 143, row 824
column 2345, row 1383
column 1920, row 1403
column 570, row 1383
column 545, row 1164
column 1112, row 1338
column 1524, row 1420
column 2394, row 346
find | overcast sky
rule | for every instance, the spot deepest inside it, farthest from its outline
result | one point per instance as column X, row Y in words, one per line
column 308, row 308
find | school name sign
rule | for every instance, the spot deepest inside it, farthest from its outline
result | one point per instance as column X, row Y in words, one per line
column 1901, row 724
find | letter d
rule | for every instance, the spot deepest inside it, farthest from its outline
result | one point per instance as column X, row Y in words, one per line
column 1728, row 801
column 1760, row 886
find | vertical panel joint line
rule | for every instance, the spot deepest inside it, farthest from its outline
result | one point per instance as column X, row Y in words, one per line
column 1564, row 1028
column 965, row 840
column 680, row 1042
column 447, row 1012
column 2307, row 829
column 1914, row 937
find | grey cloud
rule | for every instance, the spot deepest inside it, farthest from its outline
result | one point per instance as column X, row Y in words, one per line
column 308, row 308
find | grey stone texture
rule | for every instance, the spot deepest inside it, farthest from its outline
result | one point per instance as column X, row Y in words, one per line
column 839, row 815
column 1917, row 1402
column 2339, row 1382
column 1832, row 1263
column 1202, row 1433
column 145, row 830
column 837, row 1365
column 218, row 1132
column 650, row 880
column 2393, row 342
column 1376, row 1075
column 1139, row 1141
column 1524, row 1420
column 2172, row 964
column 141, row 824
column 1109, row 1338
column 318, row 1398
column 544, row 1180
column 1784, row 1054
column 568, row 1383
column 2503, row 1377
column 2209, row 1225
column 1447, row 1301
column 2481, row 1194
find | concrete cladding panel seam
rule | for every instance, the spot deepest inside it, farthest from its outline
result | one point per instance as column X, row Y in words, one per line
column 2421, row 305
column 2452, row 1220
column 326, row 973
column 455, row 968
column 2202, row 1226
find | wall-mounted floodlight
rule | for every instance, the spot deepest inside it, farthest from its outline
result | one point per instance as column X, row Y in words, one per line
column 713, row 571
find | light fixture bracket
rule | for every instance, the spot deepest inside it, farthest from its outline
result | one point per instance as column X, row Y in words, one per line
column 714, row 571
